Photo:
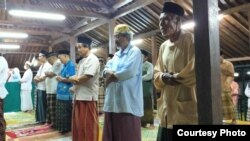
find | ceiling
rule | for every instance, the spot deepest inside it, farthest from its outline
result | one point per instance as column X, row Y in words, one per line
column 92, row 18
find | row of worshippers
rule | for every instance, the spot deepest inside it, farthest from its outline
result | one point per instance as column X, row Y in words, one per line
column 57, row 79
column 174, row 76
column 123, row 106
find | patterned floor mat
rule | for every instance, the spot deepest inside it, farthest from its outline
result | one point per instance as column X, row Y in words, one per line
column 19, row 121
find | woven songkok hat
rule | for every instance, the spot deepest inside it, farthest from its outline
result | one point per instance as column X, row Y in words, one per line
column 122, row 29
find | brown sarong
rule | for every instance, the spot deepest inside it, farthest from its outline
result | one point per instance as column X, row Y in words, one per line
column 85, row 121
column 121, row 127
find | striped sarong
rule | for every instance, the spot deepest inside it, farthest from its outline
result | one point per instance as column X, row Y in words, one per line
column 41, row 106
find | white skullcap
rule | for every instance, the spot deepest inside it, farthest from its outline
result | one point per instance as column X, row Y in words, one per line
column 28, row 63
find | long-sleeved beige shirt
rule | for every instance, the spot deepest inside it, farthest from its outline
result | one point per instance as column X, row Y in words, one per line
column 177, row 102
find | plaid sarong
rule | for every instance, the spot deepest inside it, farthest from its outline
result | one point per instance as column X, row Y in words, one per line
column 63, row 115
column 228, row 106
column 51, row 108
column 248, row 114
column 101, row 98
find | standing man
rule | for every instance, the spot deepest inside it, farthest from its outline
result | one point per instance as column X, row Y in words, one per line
column 64, row 97
column 86, row 86
column 41, row 101
column 174, row 73
column 147, row 75
column 3, row 92
column 123, row 104
column 51, row 86
column 227, row 77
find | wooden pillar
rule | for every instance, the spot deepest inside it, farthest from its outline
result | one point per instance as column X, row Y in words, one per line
column 154, row 50
column 73, row 49
column 249, row 28
column 112, row 47
column 207, row 61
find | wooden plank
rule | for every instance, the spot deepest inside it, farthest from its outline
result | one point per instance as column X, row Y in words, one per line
column 154, row 50
column 83, row 4
column 234, row 46
column 233, row 37
column 234, row 31
column 239, row 59
column 249, row 28
column 73, row 49
column 91, row 26
column 156, row 15
column 241, row 8
column 207, row 68
column 112, row 46
column 148, row 34
column 57, row 41
column 120, row 3
column 81, row 23
column 131, row 8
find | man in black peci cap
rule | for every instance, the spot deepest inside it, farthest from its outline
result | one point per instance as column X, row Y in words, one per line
column 51, row 86
column 174, row 73
column 64, row 97
column 41, row 104
column 86, row 87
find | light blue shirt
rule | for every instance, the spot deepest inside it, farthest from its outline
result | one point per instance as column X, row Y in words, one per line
column 125, row 96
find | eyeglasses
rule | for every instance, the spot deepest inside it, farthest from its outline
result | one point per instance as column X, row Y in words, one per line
column 119, row 35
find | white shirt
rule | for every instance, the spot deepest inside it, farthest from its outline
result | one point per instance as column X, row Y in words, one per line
column 27, row 80
column 247, row 93
column 89, row 90
column 41, row 73
column 51, row 83
column 3, row 75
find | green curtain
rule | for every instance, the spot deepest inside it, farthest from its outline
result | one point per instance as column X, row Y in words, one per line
column 12, row 102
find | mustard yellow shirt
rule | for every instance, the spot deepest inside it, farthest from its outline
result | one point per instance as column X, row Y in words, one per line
column 177, row 102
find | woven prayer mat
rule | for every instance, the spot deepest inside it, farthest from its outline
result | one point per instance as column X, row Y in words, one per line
column 29, row 131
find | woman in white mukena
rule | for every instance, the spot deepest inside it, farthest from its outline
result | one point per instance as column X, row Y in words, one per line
column 26, row 88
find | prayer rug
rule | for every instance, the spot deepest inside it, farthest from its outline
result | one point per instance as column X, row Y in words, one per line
column 30, row 131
